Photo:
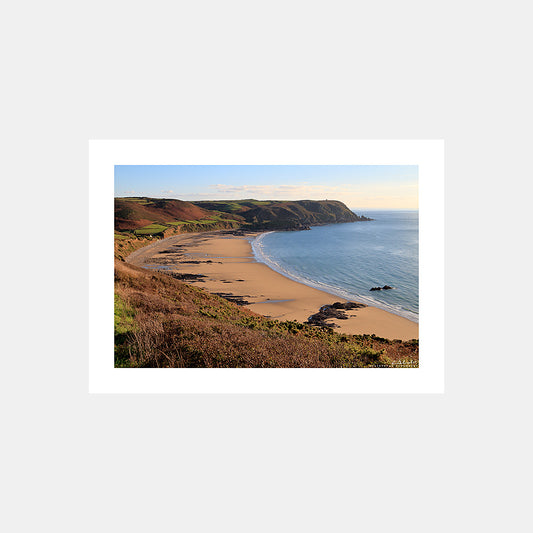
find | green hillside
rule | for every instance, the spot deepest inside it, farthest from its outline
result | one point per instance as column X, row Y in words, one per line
column 162, row 217
column 270, row 214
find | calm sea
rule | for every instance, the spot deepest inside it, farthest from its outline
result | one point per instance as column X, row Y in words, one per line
column 348, row 259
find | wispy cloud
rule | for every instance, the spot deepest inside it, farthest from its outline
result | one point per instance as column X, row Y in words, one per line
column 354, row 195
column 298, row 191
column 169, row 191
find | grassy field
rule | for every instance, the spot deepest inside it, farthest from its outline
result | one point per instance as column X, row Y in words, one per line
column 159, row 228
column 151, row 229
column 140, row 201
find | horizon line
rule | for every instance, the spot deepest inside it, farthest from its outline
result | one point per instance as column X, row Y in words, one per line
column 264, row 200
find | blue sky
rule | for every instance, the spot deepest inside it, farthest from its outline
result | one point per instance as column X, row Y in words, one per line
column 358, row 186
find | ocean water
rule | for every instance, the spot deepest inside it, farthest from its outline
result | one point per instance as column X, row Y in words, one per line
column 348, row 259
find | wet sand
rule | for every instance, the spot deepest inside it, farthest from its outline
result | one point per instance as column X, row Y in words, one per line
column 229, row 267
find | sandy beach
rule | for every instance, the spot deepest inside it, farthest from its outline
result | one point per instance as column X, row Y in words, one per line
column 229, row 267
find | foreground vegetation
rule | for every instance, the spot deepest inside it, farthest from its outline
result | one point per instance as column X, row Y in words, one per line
column 125, row 244
column 162, row 322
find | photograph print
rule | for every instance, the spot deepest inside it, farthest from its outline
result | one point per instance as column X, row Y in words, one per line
column 266, row 266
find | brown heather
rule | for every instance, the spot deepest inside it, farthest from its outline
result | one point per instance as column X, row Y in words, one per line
column 163, row 322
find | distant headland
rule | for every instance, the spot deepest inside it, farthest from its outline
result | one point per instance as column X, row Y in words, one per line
column 163, row 217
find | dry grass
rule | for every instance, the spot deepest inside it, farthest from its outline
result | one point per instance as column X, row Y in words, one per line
column 179, row 325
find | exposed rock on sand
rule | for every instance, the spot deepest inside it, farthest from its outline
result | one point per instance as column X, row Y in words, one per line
column 183, row 277
column 334, row 310
column 239, row 300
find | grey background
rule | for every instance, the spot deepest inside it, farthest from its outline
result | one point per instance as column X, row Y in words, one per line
column 75, row 71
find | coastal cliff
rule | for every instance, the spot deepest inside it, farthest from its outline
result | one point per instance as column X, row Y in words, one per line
column 143, row 216
column 301, row 214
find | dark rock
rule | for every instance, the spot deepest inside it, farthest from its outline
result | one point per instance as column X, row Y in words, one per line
column 347, row 305
column 172, row 250
column 386, row 287
column 335, row 310
column 375, row 289
column 315, row 320
column 185, row 277
column 239, row 300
